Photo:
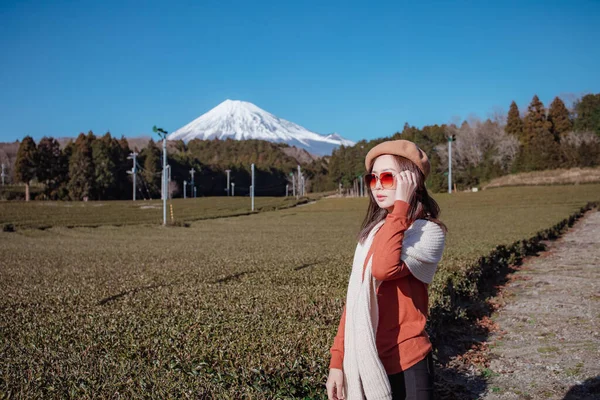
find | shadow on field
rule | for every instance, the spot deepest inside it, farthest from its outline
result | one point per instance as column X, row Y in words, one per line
column 589, row 389
column 131, row 291
column 233, row 276
column 298, row 268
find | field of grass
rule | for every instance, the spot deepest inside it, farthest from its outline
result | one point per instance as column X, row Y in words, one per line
column 46, row 214
column 240, row 307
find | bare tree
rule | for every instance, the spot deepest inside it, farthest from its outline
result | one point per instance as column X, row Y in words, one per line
column 475, row 140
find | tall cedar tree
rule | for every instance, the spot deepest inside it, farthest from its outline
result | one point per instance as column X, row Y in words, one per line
column 540, row 150
column 26, row 163
column 536, row 124
column 152, row 169
column 63, row 178
column 105, row 170
column 587, row 111
column 49, row 166
column 81, row 168
column 124, row 180
column 514, row 123
column 558, row 116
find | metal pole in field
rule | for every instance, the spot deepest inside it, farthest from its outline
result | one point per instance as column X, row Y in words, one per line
column 293, row 185
column 303, row 191
column 232, row 189
column 169, row 184
column 298, row 192
column 360, row 181
column 164, row 180
column 185, row 189
column 133, row 171
column 163, row 133
column 228, row 171
column 3, row 174
column 287, row 188
column 451, row 139
column 194, row 186
column 252, row 187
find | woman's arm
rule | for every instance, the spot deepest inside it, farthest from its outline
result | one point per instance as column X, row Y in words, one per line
column 387, row 264
column 337, row 350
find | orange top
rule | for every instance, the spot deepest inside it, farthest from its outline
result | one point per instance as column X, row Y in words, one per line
column 402, row 300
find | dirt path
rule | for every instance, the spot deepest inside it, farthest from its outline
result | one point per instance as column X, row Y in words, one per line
column 548, row 345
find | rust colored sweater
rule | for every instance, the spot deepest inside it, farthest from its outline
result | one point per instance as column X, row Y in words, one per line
column 402, row 300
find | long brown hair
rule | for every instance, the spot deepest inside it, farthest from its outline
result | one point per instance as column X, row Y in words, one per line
column 422, row 206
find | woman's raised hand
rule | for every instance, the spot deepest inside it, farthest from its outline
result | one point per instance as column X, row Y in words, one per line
column 406, row 185
column 335, row 384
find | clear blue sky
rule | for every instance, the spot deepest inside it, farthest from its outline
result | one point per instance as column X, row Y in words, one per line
column 359, row 69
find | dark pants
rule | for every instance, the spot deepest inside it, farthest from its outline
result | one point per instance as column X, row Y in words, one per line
column 416, row 382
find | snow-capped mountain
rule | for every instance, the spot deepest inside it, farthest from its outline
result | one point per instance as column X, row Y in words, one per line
column 243, row 120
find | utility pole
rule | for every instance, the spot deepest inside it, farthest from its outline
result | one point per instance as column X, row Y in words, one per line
column 293, row 184
column 185, row 189
column 163, row 134
column 303, row 189
column 228, row 171
column 232, row 189
column 133, row 171
column 451, row 138
column 299, row 193
column 169, row 184
column 362, row 189
column 194, row 187
column 252, row 187
column 3, row 174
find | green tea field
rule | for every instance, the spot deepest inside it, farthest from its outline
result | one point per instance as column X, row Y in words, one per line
column 106, row 303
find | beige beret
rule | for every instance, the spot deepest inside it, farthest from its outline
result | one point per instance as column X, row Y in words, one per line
column 400, row 147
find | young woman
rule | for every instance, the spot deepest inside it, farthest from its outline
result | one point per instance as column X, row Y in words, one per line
column 381, row 350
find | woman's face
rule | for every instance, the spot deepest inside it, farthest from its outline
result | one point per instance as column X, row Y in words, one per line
column 385, row 197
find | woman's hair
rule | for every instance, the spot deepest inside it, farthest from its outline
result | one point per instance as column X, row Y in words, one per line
column 421, row 205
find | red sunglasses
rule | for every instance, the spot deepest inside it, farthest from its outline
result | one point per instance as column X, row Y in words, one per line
column 386, row 179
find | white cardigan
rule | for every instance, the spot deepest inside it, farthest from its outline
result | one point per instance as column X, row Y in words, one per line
column 364, row 374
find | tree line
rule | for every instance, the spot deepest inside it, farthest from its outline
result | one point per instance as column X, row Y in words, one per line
column 100, row 167
column 538, row 139
column 96, row 167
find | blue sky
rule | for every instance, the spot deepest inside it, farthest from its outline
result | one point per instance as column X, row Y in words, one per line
column 358, row 68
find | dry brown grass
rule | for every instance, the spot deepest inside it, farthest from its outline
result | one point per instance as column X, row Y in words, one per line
column 561, row 176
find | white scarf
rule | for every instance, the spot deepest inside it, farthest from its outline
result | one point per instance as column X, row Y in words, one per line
column 364, row 373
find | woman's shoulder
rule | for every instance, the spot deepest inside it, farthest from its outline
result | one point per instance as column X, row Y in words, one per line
column 428, row 226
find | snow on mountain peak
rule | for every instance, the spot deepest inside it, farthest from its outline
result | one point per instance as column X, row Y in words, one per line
column 241, row 120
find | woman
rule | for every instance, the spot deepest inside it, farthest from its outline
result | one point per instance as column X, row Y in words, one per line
column 381, row 350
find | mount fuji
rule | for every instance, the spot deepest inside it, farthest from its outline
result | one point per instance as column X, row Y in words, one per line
column 242, row 120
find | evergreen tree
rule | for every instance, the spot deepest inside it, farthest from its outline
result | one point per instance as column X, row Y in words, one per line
column 49, row 166
column 26, row 163
column 587, row 114
column 558, row 116
column 81, row 169
column 151, row 173
column 124, row 180
column 62, row 180
column 540, row 150
column 514, row 123
column 103, row 156
column 536, row 124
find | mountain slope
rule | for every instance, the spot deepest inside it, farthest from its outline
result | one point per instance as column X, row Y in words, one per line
column 241, row 120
